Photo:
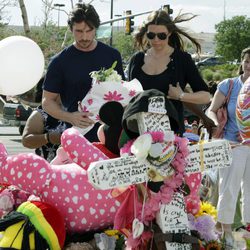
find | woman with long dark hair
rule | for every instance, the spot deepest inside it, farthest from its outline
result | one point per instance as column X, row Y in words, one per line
column 163, row 64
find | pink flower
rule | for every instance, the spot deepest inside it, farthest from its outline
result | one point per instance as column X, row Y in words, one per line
column 90, row 101
column 113, row 96
column 157, row 136
column 166, row 197
column 127, row 147
column 85, row 109
column 82, row 108
column 132, row 93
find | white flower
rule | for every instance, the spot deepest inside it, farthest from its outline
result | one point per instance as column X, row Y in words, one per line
column 105, row 75
column 156, row 150
column 113, row 77
column 141, row 146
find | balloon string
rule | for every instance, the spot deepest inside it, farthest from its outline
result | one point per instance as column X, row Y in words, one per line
column 144, row 200
column 135, row 212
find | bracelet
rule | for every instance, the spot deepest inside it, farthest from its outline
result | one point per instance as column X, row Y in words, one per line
column 181, row 96
column 47, row 138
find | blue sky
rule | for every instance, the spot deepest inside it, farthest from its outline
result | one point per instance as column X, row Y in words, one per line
column 210, row 12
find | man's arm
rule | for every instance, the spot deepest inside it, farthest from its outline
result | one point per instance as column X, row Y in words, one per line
column 51, row 105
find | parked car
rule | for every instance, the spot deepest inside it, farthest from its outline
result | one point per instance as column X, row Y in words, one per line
column 210, row 61
column 16, row 114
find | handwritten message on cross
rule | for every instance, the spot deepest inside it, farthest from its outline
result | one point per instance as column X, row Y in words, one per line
column 125, row 171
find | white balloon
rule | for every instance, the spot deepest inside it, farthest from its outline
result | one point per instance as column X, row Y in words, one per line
column 21, row 65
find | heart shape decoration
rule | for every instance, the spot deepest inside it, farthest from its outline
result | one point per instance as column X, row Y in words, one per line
column 137, row 228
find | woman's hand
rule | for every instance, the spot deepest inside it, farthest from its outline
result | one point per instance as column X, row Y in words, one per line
column 175, row 92
column 199, row 97
column 208, row 124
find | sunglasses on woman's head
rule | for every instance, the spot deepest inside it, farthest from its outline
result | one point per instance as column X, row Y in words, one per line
column 161, row 35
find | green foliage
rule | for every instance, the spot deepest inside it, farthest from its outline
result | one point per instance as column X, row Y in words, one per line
column 207, row 74
column 233, row 35
column 50, row 39
column 103, row 74
column 6, row 31
column 219, row 72
column 125, row 44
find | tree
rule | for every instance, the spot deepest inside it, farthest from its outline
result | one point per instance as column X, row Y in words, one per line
column 25, row 18
column 3, row 14
column 47, row 9
column 125, row 44
column 232, row 36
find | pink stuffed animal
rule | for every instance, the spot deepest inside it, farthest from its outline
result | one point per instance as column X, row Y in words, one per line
column 65, row 186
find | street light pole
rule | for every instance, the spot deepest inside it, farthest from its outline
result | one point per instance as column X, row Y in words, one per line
column 59, row 5
column 111, row 24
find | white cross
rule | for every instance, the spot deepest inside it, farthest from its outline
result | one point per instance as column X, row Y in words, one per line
column 128, row 170
column 125, row 171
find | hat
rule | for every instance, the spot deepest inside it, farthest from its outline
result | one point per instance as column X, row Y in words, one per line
column 144, row 102
column 33, row 217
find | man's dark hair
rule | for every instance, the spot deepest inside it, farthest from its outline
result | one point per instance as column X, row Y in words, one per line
column 84, row 13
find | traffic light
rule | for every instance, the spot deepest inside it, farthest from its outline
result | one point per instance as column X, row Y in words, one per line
column 129, row 23
column 167, row 9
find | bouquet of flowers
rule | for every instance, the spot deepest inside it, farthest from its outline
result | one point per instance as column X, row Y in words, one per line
column 107, row 85
column 108, row 75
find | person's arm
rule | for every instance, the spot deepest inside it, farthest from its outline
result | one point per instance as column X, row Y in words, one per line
column 199, row 97
column 135, row 61
column 33, row 133
column 52, row 107
column 189, row 74
column 216, row 103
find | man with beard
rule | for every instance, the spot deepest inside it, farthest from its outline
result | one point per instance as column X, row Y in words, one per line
column 68, row 72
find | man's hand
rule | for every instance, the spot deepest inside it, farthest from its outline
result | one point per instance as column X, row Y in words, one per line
column 81, row 119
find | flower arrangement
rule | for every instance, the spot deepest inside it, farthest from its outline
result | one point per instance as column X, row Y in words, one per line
column 107, row 85
column 105, row 75
column 204, row 223
column 118, row 236
column 207, row 208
